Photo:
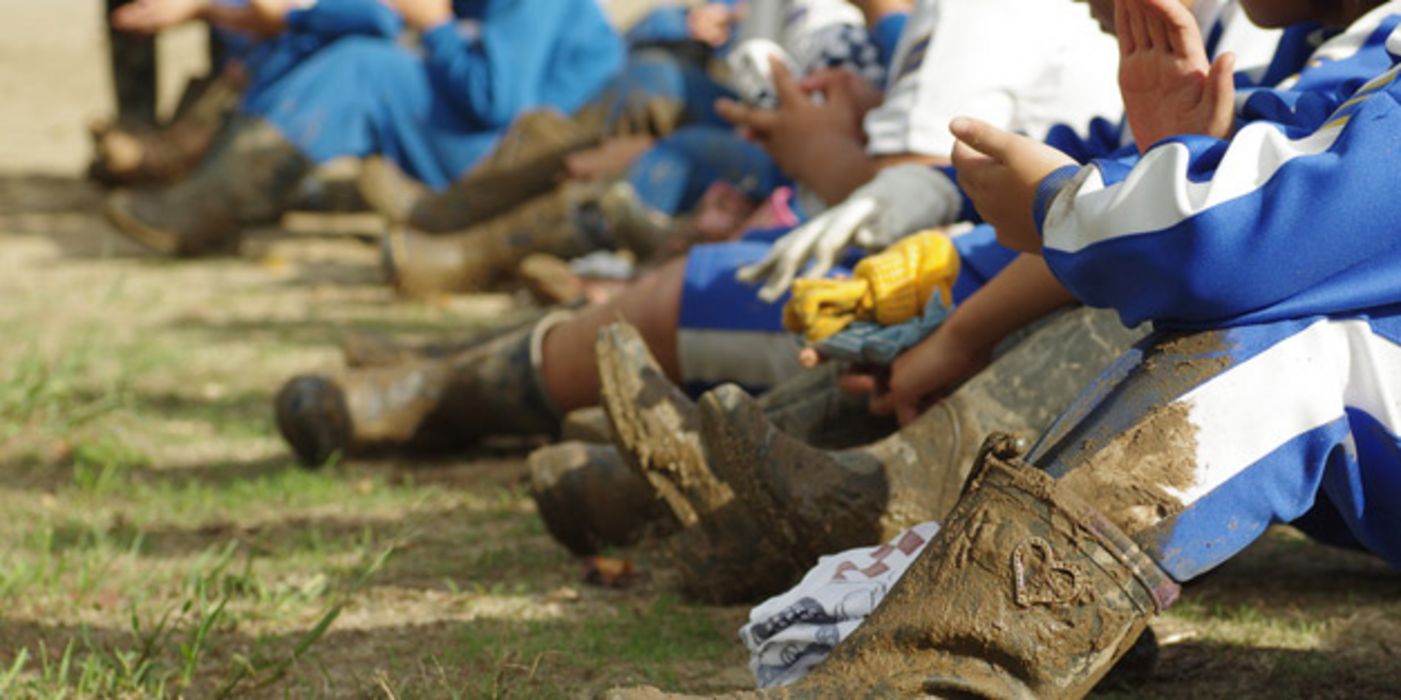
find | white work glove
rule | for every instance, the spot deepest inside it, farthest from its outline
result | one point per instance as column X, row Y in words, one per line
column 901, row 200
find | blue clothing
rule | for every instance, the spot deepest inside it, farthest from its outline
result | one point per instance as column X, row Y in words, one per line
column 1209, row 233
column 1280, row 244
column 726, row 332
column 352, row 91
column 980, row 258
column 1289, row 421
column 886, row 36
column 653, row 75
column 672, row 175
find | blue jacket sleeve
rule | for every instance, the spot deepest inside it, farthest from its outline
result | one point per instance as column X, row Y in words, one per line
column 1276, row 223
column 530, row 53
column 886, row 35
column 330, row 19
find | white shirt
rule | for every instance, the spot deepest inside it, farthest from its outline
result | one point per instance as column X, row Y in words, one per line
column 1022, row 65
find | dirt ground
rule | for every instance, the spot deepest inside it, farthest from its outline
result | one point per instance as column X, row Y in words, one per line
column 158, row 540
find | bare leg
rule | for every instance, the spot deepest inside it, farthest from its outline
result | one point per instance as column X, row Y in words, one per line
column 652, row 304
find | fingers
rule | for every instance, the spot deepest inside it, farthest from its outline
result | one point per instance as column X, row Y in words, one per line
column 757, row 271
column 1123, row 29
column 1177, row 27
column 1138, row 25
column 784, row 84
column 857, row 384
column 761, row 121
column 821, row 79
column 1155, row 25
column 1221, row 93
column 906, row 412
column 838, row 229
column 983, row 137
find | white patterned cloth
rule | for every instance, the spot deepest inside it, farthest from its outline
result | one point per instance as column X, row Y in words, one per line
column 794, row 631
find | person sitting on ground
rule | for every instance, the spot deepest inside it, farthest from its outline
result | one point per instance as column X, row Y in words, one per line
column 1164, row 471
column 358, row 93
column 997, row 295
column 649, row 150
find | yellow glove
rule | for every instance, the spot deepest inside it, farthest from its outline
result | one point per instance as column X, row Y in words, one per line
column 888, row 288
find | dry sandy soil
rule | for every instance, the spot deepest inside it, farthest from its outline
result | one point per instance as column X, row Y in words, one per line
column 159, row 541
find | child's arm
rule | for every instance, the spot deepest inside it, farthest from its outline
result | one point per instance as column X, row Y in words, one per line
column 490, row 77
column 1203, row 231
column 963, row 345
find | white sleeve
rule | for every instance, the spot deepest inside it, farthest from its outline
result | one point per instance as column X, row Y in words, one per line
column 1022, row 65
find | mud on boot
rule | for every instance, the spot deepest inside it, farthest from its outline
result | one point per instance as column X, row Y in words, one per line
column 589, row 499
column 826, row 501
column 817, row 501
column 128, row 156
column 1038, row 595
column 474, row 259
column 527, row 161
column 245, row 180
column 1027, row 592
column 656, row 426
column 723, row 555
column 431, row 404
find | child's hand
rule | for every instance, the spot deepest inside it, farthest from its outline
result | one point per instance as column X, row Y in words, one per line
column 154, row 16
column 921, row 376
column 1000, row 171
column 801, row 131
column 1169, row 87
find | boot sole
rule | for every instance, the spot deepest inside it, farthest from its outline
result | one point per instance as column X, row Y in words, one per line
column 312, row 416
column 655, row 450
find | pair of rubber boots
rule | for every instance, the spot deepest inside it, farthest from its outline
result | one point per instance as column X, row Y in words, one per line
column 248, row 178
column 473, row 235
column 756, row 501
column 1026, row 592
column 124, row 154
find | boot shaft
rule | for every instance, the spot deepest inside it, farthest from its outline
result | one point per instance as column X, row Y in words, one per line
column 1027, row 592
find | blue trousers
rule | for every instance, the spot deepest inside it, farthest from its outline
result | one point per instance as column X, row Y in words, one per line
column 1196, row 443
column 362, row 96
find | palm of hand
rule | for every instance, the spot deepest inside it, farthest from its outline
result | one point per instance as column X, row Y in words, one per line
column 1168, row 85
column 1161, row 97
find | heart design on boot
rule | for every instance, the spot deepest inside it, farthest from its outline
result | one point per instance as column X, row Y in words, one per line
column 1039, row 577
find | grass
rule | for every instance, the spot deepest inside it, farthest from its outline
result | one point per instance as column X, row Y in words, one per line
column 159, row 541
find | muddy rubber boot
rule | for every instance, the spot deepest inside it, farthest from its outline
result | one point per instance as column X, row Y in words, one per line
column 821, row 501
column 1026, row 592
column 589, row 499
column 1035, row 595
column 245, row 180
column 443, row 404
column 130, row 156
column 723, row 556
column 558, row 223
column 527, row 162
column 587, row 425
column 656, row 425
column 368, row 349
